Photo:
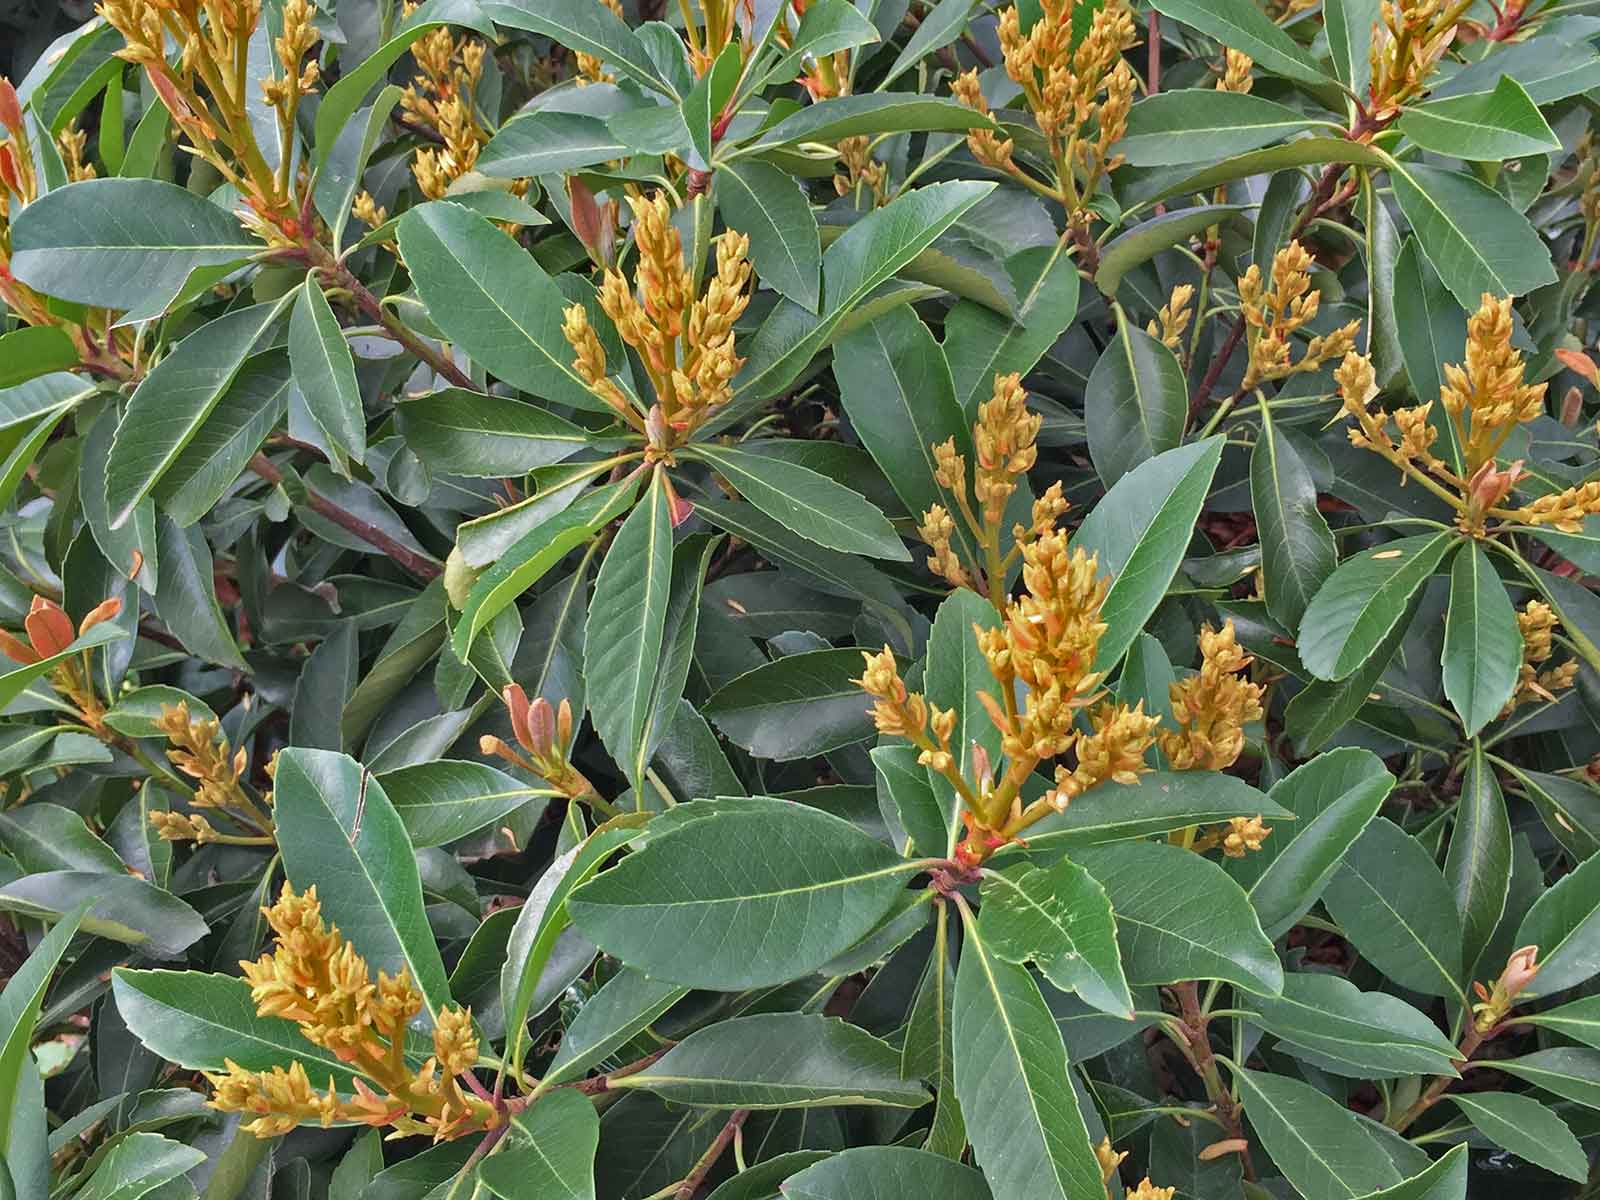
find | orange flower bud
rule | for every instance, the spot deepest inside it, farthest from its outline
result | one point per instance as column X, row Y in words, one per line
column 10, row 106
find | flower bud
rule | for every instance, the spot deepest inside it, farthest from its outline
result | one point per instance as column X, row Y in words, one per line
column 10, row 107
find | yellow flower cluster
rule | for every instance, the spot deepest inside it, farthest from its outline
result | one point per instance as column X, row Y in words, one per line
column 1212, row 706
column 685, row 341
column 1079, row 91
column 1236, row 68
column 1407, row 43
column 1047, row 643
column 1275, row 311
column 199, row 751
column 1537, row 624
column 1173, row 319
column 316, row 979
column 207, row 89
column 440, row 98
column 861, row 170
column 1486, row 398
column 1004, row 438
column 1111, row 1159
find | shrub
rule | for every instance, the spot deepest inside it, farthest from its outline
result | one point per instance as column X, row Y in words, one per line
column 808, row 599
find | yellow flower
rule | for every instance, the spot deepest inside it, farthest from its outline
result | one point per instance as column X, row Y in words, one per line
column 1212, row 707
column 1274, row 312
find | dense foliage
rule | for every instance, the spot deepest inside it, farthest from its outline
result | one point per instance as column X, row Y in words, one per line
column 807, row 598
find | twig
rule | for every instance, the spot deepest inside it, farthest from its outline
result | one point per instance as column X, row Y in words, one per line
column 602, row 1083
column 724, row 1138
column 1197, row 1049
column 1214, row 372
column 408, row 559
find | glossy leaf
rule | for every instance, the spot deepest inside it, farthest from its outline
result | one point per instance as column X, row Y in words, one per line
column 1482, row 645
column 1363, row 601
column 1137, row 402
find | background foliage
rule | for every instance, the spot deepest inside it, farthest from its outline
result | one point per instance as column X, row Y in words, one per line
column 818, row 599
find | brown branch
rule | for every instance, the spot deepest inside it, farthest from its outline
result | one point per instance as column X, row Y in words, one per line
column 1197, row 1049
column 602, row 1083
column 419, row 565
column 1470, row 1041
column 1214, row 372
column 691, row 1184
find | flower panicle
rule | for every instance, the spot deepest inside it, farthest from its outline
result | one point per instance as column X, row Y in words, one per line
column 1275, row 309
column 316, row 979
column 1211, row 707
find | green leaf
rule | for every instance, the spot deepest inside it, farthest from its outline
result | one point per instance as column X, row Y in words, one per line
column 885, row 1173
column 873, row 113
column 1298, row 552
column 805, row 502
column 870, row 252
column 1334, row 797
column 48, row 837
column 1482, row 655
column 779, row 1060
column 1579, row 1020
column 1159, row 802
column 628, row 1004
column 486, row 437
column 563, row 1132
column 1431, row 329
column 446, row 800
column 543, row 142
column 1011, row 1076
column 1474, row 239
column 1483, row 126
column 1061, row 919
column 1444, row 1180
column 759, row 200
column 1364, row 600
column 1368, row 1034
column 898, row 393
column 542, row 919
column 595, row 30
column 980, row 343
column 1322, row 709
column 1478, row 865
column 125, row 909
column 533, row 555
column 337, row 830
column 623, row 640
column 1140, row 530
column 755, row 896
column 795, row 706
column 119, row 243
column 1203, row 124
column 1527, row 1128
column 1572, row 1074
column 325, row 371
column 1180, row 917
column 929, row 1047
column 1350, row 25
column 492, row 299
column 137, row 536
column 1396, row 909
column 20, row 1003
column 186, row 595
column 138, row 1165
column 172, row 402
column 1136, row 402
column 1149, row 238
column 705, row 101
column 1563, row 923
column 1318, row 1144
column 32, row 351
column 199, row 1020
column 1240, row 25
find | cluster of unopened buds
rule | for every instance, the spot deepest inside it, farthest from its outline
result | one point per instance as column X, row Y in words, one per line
column 1110, row 1159
column 1276, row 310
column 316, row 979
column 544, row 734
column 1496, row 1002
column 1075, row 81
column 684, row 339
column 207, row 86
column 199, row 751
column 50, row 634
column 1485, row 400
